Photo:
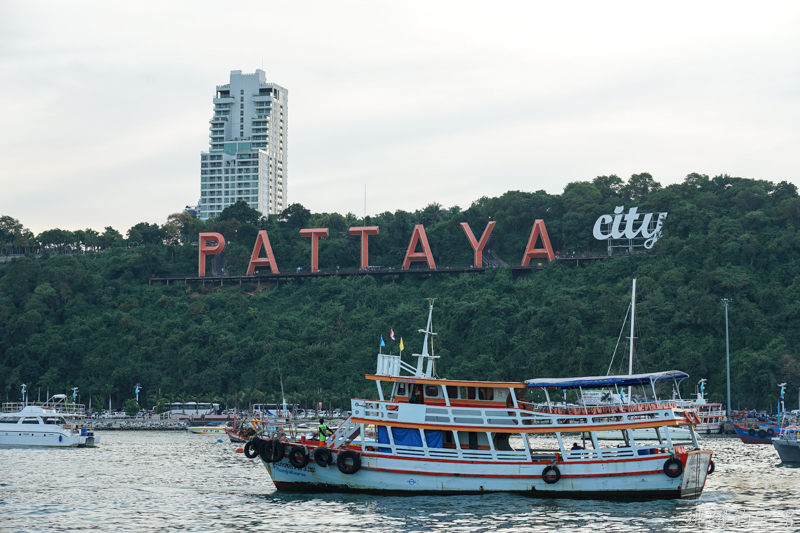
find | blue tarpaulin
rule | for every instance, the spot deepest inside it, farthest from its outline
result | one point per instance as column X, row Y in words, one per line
column 409, row 437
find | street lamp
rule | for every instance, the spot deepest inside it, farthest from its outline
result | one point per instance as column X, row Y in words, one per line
column 726, row 301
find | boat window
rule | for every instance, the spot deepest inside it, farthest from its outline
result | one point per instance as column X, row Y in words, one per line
column 31, row 421
column 472, row 440
column 50, row 420
column 9, row 419
column 401, row 389
column 470, row 393
column 452, row 392
column 485, row 393
column 508, row 442
column 432, row 391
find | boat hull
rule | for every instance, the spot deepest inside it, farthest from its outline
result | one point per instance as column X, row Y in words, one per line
column 642, row 479
column 788, row 450
column 747, row 438
column 46, row 439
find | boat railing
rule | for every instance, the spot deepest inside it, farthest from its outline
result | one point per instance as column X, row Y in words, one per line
column 391, row 365
column 60, row 407
column 601, row 409
column 560, row 419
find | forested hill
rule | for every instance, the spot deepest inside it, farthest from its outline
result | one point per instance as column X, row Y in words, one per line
column 91, row 320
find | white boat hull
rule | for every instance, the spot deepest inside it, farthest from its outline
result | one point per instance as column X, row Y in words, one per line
column 641, row 478
column 45, row 438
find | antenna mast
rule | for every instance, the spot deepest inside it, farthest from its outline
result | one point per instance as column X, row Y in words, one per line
column 633, row 320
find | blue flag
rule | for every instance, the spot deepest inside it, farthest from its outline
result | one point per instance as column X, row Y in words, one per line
column 382, row 343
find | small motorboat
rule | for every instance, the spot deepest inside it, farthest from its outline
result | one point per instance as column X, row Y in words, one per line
column 212, row 428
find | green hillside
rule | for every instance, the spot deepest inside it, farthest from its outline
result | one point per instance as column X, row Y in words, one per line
column 92, row 321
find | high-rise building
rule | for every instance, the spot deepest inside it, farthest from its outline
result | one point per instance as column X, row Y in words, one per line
column 248, row 156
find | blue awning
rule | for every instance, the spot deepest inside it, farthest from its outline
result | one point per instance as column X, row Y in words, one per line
column 604, row 381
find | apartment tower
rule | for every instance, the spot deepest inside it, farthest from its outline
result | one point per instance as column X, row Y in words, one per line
column 247, row 156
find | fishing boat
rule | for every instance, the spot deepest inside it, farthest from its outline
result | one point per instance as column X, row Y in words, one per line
column 52, row 424
column 434, row 435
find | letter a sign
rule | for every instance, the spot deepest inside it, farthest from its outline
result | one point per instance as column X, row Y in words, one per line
column 531, row 252
column 262, row 241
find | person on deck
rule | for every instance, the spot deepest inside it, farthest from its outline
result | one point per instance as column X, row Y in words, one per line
column 576, row 447
column 323, row 430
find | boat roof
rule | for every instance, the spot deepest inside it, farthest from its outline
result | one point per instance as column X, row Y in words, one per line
column 446, row 382
column 604, row 381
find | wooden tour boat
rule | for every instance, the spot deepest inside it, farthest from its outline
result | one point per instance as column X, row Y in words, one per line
column 442, row 436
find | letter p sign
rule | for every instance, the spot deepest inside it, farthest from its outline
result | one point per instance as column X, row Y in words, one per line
column 208, row 246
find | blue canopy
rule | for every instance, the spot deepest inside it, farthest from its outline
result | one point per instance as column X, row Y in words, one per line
column 604, row 381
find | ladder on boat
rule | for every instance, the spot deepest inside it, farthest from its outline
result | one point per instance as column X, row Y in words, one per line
column 344, row 435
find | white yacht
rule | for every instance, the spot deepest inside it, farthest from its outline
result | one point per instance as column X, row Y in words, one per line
column 44, row 425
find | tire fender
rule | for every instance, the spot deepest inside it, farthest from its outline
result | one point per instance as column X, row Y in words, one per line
column 551, row 474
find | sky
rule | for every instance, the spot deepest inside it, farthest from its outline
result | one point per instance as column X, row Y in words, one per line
column 105, row 105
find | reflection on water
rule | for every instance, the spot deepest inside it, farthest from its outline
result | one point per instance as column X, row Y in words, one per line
column 166, row 481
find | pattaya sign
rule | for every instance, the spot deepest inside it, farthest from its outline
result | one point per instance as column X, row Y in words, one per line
column 612, row 227
column 214, row 243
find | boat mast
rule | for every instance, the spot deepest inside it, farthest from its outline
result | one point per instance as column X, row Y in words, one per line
column 633, row 320
column 424, row 355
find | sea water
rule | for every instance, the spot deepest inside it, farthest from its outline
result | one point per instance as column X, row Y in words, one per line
column 176, row 481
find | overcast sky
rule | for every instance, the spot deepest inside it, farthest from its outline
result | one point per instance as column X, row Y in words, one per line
column 105, row 105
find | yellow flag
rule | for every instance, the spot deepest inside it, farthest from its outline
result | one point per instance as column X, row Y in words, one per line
column 401, row 344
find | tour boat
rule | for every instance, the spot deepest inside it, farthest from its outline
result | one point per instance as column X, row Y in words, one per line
column 53, row 423
column 444, row 436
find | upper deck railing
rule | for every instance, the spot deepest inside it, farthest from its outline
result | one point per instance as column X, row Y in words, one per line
column 61, row 407
column 522, row 419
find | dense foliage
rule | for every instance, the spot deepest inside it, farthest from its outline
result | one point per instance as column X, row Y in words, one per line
column 91, row 319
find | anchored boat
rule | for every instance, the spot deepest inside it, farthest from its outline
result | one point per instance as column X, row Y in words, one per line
column 53, row 423
column 439, row 436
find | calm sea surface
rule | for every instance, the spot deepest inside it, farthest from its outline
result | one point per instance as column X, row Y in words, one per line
column 175, row 481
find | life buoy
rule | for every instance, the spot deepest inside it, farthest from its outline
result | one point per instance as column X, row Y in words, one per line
column 251, row 448
column 751, row 432
column 673, row 467
column 349, row 462
column 322, row 456
column 710, row 467
column 551, row 474
column 771, row 432
column 762, row 434
column 298, row 456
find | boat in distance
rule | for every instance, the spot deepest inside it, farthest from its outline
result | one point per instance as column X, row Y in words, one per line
column 443, row 436
column 51, row 424
column 787, row 445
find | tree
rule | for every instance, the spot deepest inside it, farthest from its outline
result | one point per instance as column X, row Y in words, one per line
column 639, row 187
column 242, row 212
column 145, row 233
column 131, row 407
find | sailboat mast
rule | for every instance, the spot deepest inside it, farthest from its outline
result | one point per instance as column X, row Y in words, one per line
column 633, row 320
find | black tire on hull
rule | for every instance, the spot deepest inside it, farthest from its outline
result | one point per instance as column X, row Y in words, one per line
column 322, row 456
column 349, row 462
column 251, row 449
column 298, row 456
column 551, row 474
column 673, row 467
column 771, row 432
column 272, row 451
column 762, row 434
column 751, row 432
column 711, row 467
